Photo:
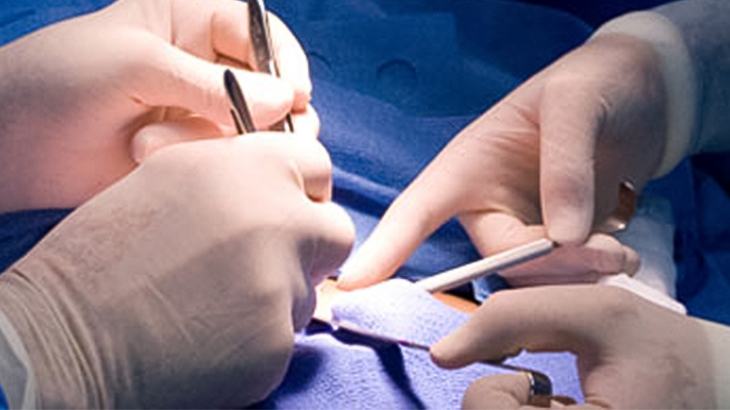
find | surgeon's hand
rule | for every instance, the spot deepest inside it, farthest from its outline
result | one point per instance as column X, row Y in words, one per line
column 631, row 353
column 181, row 285
column 87, row 98
column 546, row 161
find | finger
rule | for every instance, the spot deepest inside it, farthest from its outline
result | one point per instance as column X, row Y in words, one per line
column 585, row 263
column 268, row 105
column 226, row 34
column 602, row 253
column 327, row 235
column 633, row 261
column 493, row 232
column 404, row 226
column 551, row 318
column 312, row 161
column 570, row 118
column 499, row 391
column 292, row 62
column 315, row 166
column 162, row 75
column 510, row 391
column 307, row 123
column 153, row 137
column 336, row 234
column 599, row 256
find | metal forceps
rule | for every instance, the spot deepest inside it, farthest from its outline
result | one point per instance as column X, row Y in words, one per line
column 265, row 62
column 239, row 109
column 258, row 25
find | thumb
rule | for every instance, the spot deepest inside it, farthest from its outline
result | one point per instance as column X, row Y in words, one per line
column 174, row 78
column 547, row 318
column 570, row 118
column 510, row 391
column 499, row 391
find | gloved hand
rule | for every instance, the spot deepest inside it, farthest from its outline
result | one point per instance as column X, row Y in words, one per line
column 182, row 284
column 547, row 160
column 631, row 353
column 79, row 96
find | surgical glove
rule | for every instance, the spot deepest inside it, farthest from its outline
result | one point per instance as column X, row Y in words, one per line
column 631, row 353
column 546, row 161
column 78, row 95
column 181, row 285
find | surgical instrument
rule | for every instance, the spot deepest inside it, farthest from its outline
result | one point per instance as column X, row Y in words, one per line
column 540, row 384
column 458, row 276
column 239, row 110
column 258, row 24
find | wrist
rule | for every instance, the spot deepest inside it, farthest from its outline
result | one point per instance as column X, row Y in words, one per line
column 718, row 338
column 16, row 373
column 57, row 367
column 678, row 75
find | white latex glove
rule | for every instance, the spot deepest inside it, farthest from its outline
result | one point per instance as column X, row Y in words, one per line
column 182, row 284
column 632, row 353
column 79, row 96
column 547, row 160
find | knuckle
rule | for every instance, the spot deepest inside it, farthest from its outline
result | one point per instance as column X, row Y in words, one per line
column 617, row 305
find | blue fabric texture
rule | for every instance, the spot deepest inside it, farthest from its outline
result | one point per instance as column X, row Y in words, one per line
column 3, row 400
column 327, row 373
column 394, row 81
column 20, row 231
column 18, row 18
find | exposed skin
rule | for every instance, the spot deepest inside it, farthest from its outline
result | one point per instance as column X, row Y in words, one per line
column 547, row 160
column 79, row 113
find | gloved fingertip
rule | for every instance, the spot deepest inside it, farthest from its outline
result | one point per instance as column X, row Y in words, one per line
column 344, row 283
column 269, row 98
column 302, row 98
column 443, row 353
column 501, row 391
column 277, row 90
column 439, row 356
column 294, row 68
column 360, row 272
column 373, row 262
column 567, row 213
column 138, row 154
column 141, row 147
column 567, row 233
column 567, row 223
column 633, row 261
column 352, row 279
column 350, row 274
